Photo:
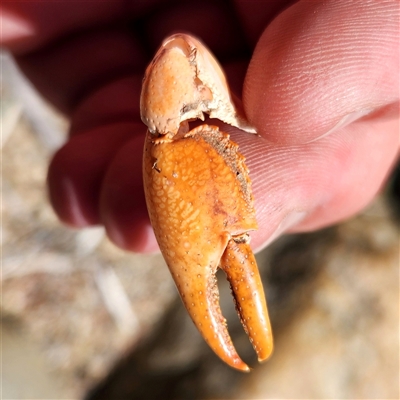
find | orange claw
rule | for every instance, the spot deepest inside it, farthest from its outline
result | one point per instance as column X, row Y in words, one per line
column 198, row 194
column 239, row 264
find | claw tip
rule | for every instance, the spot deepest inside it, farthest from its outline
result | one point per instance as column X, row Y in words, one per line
column 242, row 367
column 266, row 356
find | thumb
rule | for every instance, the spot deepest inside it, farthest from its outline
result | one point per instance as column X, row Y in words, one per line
column 321, row 65
column 322, row 91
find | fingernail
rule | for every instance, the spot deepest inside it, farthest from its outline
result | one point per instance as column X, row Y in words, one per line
column 346, row 120
column 291, row 219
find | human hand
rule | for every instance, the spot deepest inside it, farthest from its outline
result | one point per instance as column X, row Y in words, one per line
column 321, row 89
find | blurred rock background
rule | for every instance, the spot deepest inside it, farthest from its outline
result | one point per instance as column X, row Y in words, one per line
column 82, row 319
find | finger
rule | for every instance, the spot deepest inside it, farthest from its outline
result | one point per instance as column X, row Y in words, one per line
column 321, row 65
column 122, row 205
column 372, row 159
column 309, row 186
column 77, row 170
column 117, row 101
column 68, row 72
column 26, row 26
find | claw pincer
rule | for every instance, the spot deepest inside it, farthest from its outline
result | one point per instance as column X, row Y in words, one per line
column 198, row 194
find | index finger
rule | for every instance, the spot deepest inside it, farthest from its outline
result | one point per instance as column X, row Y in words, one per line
column 26, row 26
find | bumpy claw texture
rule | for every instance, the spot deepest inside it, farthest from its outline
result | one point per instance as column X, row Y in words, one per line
column 198, row 194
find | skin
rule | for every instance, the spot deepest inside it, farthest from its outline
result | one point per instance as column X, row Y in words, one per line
column 320, row 84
